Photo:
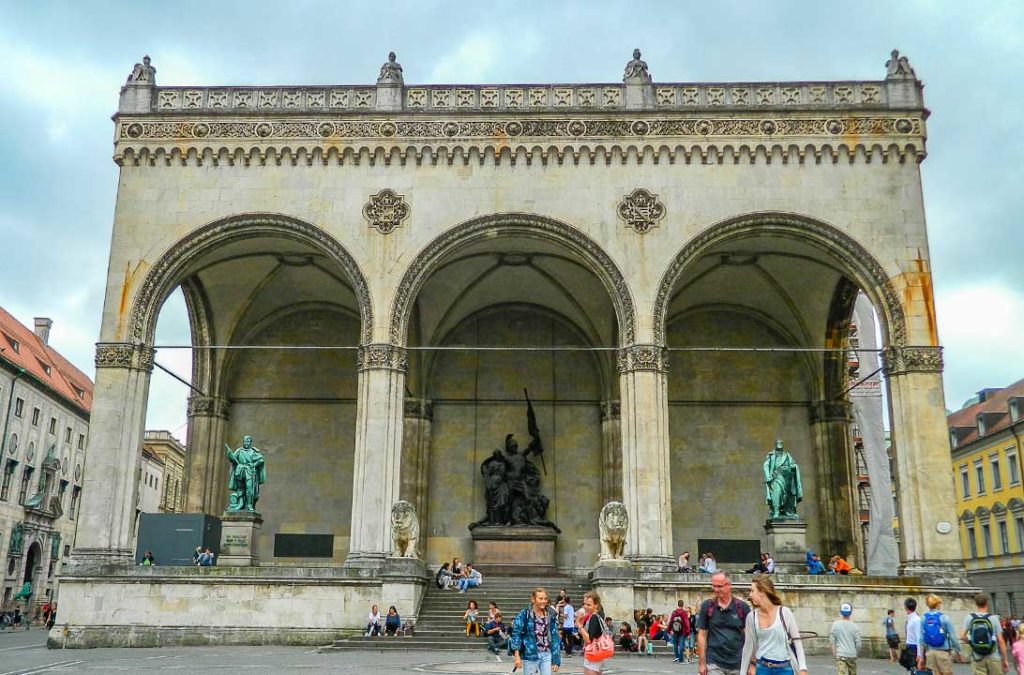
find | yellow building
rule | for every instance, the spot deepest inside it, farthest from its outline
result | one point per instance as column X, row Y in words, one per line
column 171, row 452
column 985, row 436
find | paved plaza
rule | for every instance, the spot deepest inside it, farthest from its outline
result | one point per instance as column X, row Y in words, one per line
column 24, row 653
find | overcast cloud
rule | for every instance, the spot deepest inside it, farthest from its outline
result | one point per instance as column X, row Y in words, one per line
column 62, row 63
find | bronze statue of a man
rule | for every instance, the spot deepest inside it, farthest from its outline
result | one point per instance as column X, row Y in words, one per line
column 248, row 472
column 782, row 486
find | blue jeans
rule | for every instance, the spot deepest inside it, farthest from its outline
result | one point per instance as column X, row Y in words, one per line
column 467, row 583
column 680, row 646
column 762, row 670
column 542, row 666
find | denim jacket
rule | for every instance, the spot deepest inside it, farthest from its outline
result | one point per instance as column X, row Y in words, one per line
column 524, row 640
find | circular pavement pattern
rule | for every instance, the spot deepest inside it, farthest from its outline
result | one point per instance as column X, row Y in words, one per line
column 505, row 666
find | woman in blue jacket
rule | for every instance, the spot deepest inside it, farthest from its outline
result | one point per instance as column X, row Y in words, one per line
column 534, row 640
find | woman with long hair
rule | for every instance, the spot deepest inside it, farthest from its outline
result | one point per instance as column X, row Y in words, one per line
column 772, row 644
column 471, row 618
column 590, row 626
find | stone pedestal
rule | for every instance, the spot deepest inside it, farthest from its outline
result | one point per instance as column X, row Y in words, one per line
column 239, row 533
column 514, row 550
column 786, row 540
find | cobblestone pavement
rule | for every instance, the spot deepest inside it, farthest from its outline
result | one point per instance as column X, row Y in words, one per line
column 25, row 653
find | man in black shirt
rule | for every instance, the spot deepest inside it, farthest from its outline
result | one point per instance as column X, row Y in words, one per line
column 720, row 624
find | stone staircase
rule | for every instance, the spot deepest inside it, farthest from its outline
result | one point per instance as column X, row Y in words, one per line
column 439, row 624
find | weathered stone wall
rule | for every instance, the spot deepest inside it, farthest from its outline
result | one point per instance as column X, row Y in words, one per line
column 160, row 606
column 814, row 600
column 300, row 407
column 725, row 410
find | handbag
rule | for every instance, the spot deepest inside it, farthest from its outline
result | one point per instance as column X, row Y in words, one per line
column 789, row 636
column 601, row 647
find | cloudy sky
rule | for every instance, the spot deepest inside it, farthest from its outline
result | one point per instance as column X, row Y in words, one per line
column 62, row 63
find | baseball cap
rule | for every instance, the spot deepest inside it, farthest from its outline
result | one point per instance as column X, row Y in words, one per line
column 846, row 609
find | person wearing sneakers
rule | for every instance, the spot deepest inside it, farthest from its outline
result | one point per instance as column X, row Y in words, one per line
column 845, row 641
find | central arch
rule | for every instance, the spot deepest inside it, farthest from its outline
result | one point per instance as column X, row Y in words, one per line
column 505, row 224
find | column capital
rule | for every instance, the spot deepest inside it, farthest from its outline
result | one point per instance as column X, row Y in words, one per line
column 914, row 359
column 208, row 406
column 611, row 410
column 382, row 356
column 643, row 357
column 419, row 408
column 125, row 355
column 830, row 411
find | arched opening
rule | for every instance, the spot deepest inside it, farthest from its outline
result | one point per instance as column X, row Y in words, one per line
column 758, row 315
column 494, row 307
column 276, row 310
column 33, row 562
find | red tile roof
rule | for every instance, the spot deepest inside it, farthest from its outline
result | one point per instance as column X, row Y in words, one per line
column 997, row 408
column 36, row 358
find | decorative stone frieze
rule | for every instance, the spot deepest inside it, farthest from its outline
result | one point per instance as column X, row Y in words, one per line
column 685, row 127
column 208, row 406
column 864, row 95
column 382, row 356
column 125, row 355
column 830, row 411
column 915, row 359
column 419, row 408
column 386, row 210
column 641, row 210
column 643, row 357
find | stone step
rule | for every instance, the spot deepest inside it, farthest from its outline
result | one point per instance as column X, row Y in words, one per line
column 424, row 642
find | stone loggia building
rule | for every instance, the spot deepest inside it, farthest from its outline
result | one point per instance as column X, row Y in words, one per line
column 442, row 247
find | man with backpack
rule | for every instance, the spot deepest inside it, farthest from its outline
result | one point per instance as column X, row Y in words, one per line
column 679, row 629
column 983, row 632
column 720, row 626
column 938, row 639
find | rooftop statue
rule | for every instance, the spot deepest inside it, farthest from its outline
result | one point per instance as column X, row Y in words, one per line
column 782, row 486
column 391, row 71
column 248, row 472
column 143, row 73
column 636, row 71
column 899, row 66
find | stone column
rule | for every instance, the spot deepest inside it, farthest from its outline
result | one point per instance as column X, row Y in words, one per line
column 378, row 455
column 929, row 541
column 205, row 473
column 115, row 451
column 646, row 481
column 838, row 523
column 611, row 437
column 416, row 427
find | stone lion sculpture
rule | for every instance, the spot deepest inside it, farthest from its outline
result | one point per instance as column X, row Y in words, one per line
column 405, row 528
column 613, row 524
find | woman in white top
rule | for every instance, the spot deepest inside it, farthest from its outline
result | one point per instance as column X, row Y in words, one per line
column 770, row 629
column 376, row 624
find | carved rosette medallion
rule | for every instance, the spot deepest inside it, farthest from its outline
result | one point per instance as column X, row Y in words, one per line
column 382, row 356
column 124, row 355
column 386, row 210
column 641, row 210
column 900, row 360
column 643, row 357
column 208, row 406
